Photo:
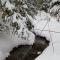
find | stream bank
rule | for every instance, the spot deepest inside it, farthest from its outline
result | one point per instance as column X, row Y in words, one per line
column 29, row 52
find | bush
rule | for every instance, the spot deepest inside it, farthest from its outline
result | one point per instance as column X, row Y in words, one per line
column 29, row 25
column 38, row 3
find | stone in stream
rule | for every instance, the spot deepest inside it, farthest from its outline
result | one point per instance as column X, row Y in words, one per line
column 29, row 52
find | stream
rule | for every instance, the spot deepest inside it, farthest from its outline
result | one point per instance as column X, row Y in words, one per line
column 29, row 52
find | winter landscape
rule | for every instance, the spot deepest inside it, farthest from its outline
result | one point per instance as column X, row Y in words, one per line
column 29, row 29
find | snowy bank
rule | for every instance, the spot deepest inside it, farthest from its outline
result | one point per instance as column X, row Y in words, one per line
column 49, row 27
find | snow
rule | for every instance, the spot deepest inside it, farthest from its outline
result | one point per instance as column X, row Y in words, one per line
column 52, row 32
column 55, row 1
column 44, row 25
column 25, row 6
column 3, row 1
column 55, row 8
column 38, row 52
column 9, row 5
column 10, row 40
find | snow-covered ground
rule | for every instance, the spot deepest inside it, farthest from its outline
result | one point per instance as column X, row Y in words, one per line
column 48, row 26
column 44, row 25
column 10, row 39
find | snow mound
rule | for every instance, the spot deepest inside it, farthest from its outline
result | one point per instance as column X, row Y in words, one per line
column 50, row 29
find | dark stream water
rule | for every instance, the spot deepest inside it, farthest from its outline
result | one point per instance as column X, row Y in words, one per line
column 29, row 52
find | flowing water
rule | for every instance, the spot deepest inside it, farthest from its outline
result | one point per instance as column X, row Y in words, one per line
column 29, row 52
